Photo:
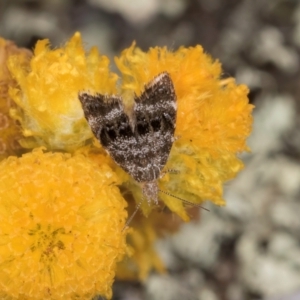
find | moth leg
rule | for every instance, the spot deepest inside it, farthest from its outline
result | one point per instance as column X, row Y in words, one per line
column 171, row 171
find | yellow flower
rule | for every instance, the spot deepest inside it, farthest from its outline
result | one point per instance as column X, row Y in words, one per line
column 61, row 227
column 10, row 131
column 50, row 112
column 142, row 257
column 213, row 121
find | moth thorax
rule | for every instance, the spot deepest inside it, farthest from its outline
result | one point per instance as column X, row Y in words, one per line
column 150, row 191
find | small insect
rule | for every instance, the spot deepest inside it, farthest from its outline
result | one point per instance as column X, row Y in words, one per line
column 141, row 143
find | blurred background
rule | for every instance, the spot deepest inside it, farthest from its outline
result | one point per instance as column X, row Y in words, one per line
column 251, row 248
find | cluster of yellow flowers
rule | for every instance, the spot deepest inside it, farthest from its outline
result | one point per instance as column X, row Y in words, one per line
column 63, row 202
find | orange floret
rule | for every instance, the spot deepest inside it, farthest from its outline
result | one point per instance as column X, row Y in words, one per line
column 61, row 227
column 213, row 120
column 50, row 112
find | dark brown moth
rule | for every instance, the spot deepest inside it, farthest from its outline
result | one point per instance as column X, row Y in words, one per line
column 139, row 143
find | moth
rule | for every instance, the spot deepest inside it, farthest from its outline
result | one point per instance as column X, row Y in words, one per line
column 139, row 143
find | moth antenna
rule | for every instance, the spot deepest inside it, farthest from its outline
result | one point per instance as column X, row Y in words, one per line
column 183, row 200
column 134, row 213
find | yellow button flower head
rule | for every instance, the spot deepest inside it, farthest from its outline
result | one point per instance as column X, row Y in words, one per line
column 50, row 112
column 213, row 121
column 61, row 227
column 10, row 131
